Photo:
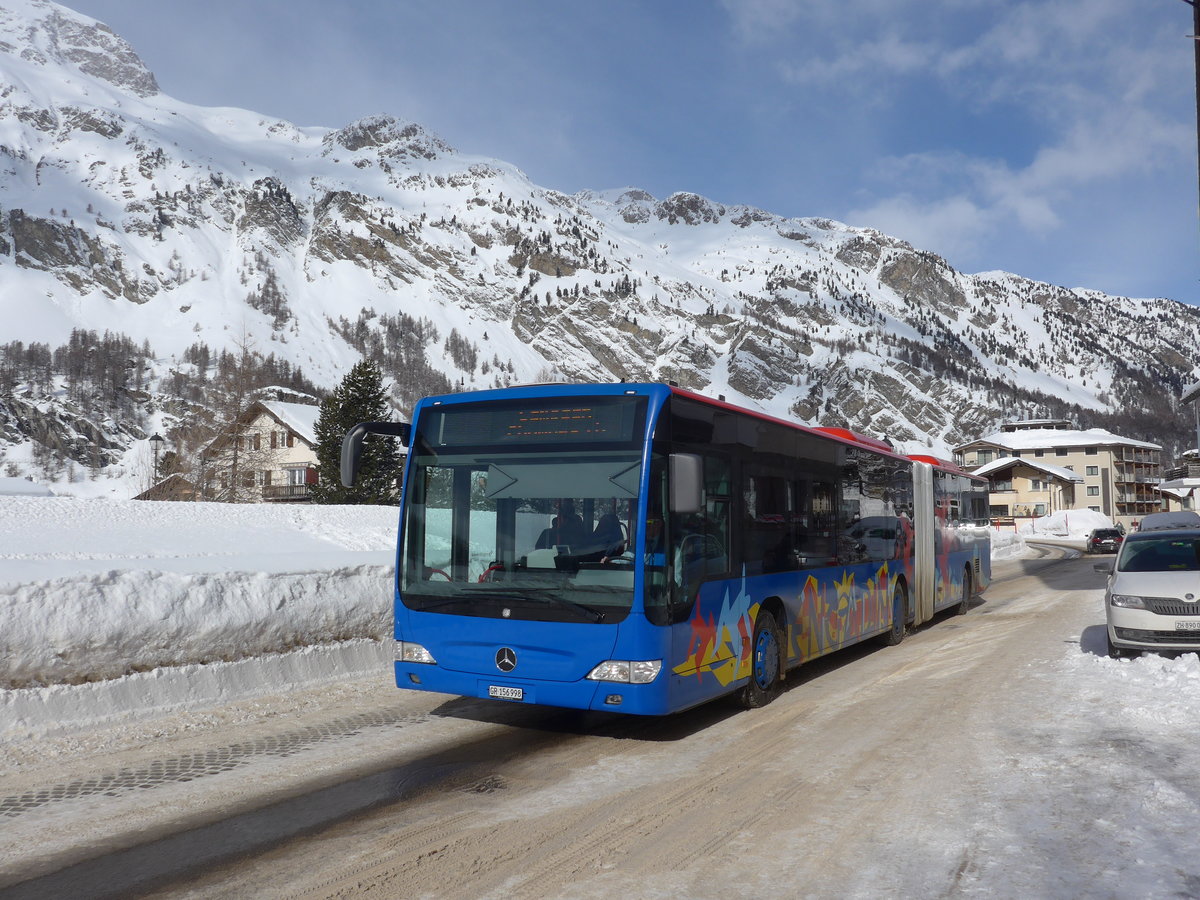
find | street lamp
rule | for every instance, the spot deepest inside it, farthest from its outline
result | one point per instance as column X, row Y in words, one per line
column 156, row 441
column 1195, row 36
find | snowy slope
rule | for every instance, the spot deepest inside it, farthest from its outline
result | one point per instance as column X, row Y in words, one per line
column 124, row 209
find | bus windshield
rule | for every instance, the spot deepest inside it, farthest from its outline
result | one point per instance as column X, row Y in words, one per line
column 534, row 525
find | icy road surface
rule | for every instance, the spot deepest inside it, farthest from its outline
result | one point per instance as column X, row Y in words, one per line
column 999, row 754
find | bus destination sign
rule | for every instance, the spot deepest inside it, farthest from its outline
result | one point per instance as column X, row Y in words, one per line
column 584, row 420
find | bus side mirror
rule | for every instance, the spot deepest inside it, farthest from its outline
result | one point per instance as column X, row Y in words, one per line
column 352, row 444
column 687, row 483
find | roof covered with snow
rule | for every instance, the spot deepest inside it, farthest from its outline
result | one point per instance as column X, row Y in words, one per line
column 1006, row 462
column 300, row 417
column 1049, row 438
column 23, row 487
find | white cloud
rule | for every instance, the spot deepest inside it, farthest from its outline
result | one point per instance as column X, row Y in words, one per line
column 754, row 21
column 1082, row 98
column 890, row 53
column 952, row 226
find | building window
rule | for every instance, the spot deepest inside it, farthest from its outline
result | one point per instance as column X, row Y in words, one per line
column 1039, row 509
column 1039, row 453
column 1091, row 451
column 1093, row 470
column 1061, row 451
column 984, row 456
column 1094, row 508
column 1093, row 491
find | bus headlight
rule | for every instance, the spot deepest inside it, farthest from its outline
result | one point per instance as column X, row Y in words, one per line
column 406, row 651
column 627, row 671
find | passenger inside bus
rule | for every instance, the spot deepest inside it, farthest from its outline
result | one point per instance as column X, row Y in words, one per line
column 655, row 551
column 608, row 537
column 566, row 529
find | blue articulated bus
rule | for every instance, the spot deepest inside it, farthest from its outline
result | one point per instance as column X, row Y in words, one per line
column 643, row 549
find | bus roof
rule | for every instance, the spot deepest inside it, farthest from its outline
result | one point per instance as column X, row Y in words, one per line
column 945, row 465
column 840, row 435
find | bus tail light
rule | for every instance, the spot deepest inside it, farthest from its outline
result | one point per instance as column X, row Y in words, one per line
column 627, row 671
column 406, row 651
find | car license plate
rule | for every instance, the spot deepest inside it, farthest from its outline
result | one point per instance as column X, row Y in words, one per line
column 502, row 692
column 1187, row 625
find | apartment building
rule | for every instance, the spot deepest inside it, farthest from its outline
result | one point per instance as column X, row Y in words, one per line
column 1053, row 466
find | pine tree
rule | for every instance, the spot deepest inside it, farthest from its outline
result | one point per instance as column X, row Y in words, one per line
column 359, row 398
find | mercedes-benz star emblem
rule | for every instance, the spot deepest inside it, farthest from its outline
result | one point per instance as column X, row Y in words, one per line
column 506, row 659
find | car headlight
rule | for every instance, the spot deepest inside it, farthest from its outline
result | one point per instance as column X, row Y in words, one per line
column 627, row 671
column 406, row 651
column 1127, row 601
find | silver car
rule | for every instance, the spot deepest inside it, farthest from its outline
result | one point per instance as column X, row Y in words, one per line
column 1153, row 597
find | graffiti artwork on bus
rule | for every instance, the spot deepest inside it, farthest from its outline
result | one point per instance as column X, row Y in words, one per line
column 828, row 613
column 720, row 633
column 835, row 612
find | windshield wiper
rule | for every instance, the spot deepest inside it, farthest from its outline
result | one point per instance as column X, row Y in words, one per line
column 435, row 602
column 544, row 595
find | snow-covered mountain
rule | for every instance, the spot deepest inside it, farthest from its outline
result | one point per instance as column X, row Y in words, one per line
column 125, row 210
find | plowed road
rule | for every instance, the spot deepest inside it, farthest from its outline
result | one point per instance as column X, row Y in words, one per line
column 931, row 768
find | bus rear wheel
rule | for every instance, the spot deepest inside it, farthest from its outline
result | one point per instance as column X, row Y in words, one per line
column 767, row 652
column 899, row 616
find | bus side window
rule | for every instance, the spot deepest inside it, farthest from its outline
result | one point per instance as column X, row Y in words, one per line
column 816, row 522
column 657, row 598
column 718, row 491
column 700, row 543
column 770, row 536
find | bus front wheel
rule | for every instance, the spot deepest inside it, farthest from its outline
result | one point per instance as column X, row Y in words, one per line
column 767, row 650
column 899, row 615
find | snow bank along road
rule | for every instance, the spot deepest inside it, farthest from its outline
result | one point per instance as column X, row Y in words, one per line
column 95, row 589
column 996, row 754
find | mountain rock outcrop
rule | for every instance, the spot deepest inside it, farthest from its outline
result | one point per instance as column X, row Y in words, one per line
column 125, row 210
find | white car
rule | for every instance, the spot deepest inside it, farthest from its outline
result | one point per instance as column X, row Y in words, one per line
column 1180, row 518
column 1153, row 597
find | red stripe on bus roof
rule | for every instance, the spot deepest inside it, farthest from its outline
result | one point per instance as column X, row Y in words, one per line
column 841, row 435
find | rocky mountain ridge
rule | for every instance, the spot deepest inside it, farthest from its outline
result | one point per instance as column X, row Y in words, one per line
column 125, row 210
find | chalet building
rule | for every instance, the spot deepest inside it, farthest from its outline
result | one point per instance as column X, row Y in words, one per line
column 1044, row 466
column 267, row 455
column 173, row 487
column 1028, row 487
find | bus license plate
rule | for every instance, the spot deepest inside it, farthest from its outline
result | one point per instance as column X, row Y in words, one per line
column 501, row 692
column 1187, row 625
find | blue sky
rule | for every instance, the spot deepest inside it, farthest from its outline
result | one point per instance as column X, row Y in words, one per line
column 1051, row 138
